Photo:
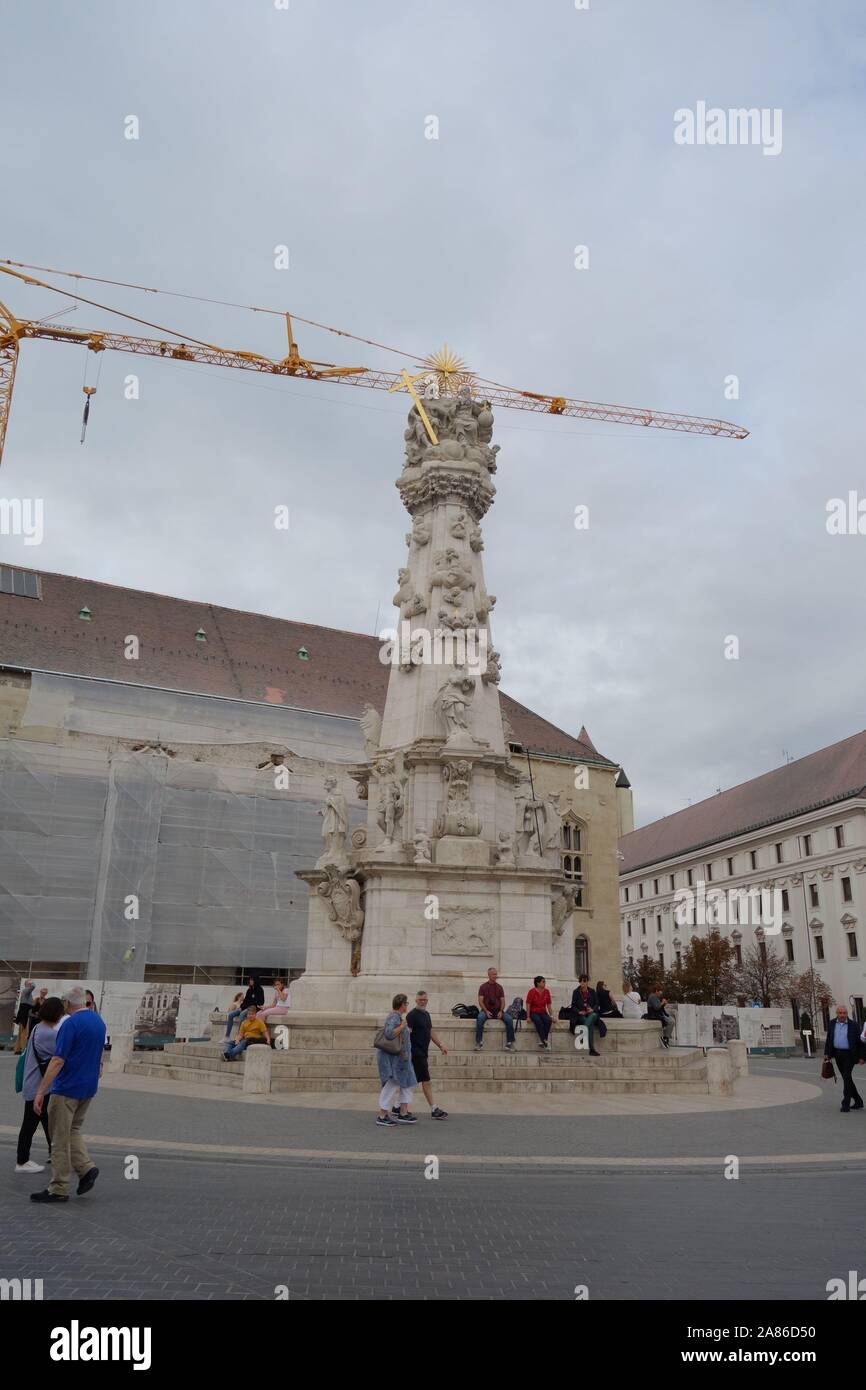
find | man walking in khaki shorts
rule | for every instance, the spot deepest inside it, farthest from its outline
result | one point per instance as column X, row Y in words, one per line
column 71, row 1077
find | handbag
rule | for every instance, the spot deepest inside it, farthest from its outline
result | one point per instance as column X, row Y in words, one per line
column 19, row 1073
column 828, row 1072
column 385, row 1044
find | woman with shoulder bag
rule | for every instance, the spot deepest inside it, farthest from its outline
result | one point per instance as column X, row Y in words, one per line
column 40, row 1050
column 396, row 1073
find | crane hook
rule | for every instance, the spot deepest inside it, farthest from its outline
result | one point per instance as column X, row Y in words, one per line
column 88, row 392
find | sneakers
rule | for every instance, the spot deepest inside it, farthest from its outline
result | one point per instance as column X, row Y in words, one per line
column 437, row 1114
column 479, row 1046
column 407, row 1119
column 30, row 1167
column 593, row 1053
column 385, row 1122
column 509, row 1047
column 87, row 1181
column 46, row 1196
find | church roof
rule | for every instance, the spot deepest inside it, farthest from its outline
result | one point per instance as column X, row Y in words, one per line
column 820, row 779
column 245, row 656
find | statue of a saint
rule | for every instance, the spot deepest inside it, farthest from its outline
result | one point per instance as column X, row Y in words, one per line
column 335, row 825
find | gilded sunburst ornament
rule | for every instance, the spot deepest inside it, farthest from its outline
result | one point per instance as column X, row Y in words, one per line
column 449, row 370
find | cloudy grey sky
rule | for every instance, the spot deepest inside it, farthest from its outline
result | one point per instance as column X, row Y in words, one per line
column 306, row 127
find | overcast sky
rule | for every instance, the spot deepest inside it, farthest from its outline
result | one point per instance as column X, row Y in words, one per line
column 261, row 127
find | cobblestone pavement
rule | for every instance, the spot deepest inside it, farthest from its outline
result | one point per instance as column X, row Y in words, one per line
column 210, row 1226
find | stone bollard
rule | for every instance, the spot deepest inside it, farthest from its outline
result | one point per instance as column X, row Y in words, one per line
column 257, row 1069
column 217, row 1026
column 739, row 1057
column 121, row 1051
column 720, row 1072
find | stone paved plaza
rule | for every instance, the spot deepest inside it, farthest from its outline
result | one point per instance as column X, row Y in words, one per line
column 237, row 1196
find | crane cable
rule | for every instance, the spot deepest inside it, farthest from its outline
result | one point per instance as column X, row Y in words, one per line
column 200, row 299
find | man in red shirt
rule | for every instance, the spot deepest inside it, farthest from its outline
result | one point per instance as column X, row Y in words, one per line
column 539, row 1006
column 491, row 1004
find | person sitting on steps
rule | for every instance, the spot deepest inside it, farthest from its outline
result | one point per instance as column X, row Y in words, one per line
column 491, row 1004
column 584, row 1011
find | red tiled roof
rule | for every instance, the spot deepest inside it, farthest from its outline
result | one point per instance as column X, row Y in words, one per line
column 248, row 656
column 832, row 774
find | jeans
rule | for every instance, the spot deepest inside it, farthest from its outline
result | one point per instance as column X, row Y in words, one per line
column 543, row 1024
column 29, row 1126
column 239, row 1014
column 506, row 1019
column 233, row 1050
column 586, row 1021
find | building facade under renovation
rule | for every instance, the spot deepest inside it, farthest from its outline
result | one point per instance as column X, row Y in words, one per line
column 162, row 771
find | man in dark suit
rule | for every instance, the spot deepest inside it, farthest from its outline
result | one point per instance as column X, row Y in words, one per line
column 584, row 1010
column 843, row 1046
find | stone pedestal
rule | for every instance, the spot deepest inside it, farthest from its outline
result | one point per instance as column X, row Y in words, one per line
column 121, row 1051
column 257, row 1069
column 720, row 1072
column 739, row 1057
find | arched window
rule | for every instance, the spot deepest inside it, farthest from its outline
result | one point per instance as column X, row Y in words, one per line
column 581, row 956
column 573, row 855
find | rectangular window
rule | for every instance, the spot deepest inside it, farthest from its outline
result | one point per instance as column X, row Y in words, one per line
column 626, row 892
column 643, row 926
column 690, row 878
column 730, row 868
column 785, row 902
column 640, row 890
column 673, row 878
column 780, row 857
column 661, row 961
column 628, row 929
column 807, row 845
column 852, row 945
column 840, row 837
column 813, row 895
column 656, row 887
column 738, row 954
column 709, row 869
column 679, row 957
column 23, row 583
column 753, row 858
column 762, row 950
column 847, row 895
column 819, row 947
column 658, row 924
column 789, row 950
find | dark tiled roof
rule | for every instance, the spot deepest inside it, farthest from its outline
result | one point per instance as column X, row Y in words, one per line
column 248, row 656
column 832, row 774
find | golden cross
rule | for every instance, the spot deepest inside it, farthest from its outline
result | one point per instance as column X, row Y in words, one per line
column 409, row 383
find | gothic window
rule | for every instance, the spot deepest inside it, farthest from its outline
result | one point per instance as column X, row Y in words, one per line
column 573, row 856
column 581, row 956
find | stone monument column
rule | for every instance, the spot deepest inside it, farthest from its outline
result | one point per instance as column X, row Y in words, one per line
column 457, row 870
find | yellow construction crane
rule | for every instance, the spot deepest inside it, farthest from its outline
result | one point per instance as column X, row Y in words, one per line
column 442, row 370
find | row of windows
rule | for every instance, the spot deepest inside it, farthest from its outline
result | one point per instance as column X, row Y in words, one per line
column 804, row 848
column 732, row 905
column 790, row 956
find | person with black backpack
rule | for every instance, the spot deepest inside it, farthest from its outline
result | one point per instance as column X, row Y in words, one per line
column 40, row 1050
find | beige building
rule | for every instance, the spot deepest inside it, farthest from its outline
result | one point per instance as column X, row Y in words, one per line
column 792, row 840
column 144, row 830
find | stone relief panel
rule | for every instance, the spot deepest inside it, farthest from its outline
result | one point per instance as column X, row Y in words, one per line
column 463, row 931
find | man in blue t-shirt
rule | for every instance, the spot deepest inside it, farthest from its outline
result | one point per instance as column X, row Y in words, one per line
column 71, row 1078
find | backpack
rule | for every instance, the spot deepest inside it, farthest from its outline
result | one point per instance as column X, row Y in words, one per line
column 465, row 1011
column 516, row 1010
